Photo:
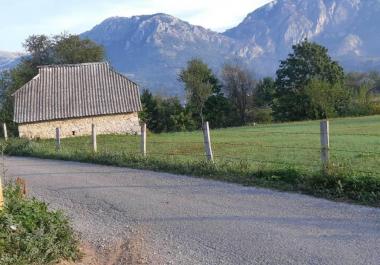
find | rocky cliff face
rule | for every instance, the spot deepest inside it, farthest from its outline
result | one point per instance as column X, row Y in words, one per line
column 348, row 28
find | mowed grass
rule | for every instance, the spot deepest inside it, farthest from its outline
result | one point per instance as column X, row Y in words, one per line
column 354, row 143
column 284, row 156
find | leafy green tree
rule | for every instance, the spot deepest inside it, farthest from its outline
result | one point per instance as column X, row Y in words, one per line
column 327, row 100
column 71, row 49
column 173, row 116
column 165, row 114
column 219, row 111
column 239, row 86
column 199, row 84
column 264, row 92
column 363, row 100
column 307, row 62
column 150, row 113
column 5, row 82
column 40, row 50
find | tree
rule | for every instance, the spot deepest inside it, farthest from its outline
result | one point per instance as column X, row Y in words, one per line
column 309, row 61
column 327, row 100
column 264, row 92
column 150, row 112
column 164, row 114
column 5, row 80
column 199, row 83
column 239, row 86
column 173, row 116
column 40, row 50
column 219, row 112
column 71, row 49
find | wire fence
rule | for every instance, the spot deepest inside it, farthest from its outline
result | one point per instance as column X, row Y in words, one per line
column 300, row 148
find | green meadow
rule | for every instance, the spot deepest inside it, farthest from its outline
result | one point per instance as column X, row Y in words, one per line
column 284, row 156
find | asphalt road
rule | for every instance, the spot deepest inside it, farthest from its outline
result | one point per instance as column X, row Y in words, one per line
column 184, row 220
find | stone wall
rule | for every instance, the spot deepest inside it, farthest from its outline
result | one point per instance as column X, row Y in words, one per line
column 107, row 124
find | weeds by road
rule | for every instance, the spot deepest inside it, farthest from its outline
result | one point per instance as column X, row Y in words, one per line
column 31, row 234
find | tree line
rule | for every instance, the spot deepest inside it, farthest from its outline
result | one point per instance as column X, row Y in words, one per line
column 308, row 85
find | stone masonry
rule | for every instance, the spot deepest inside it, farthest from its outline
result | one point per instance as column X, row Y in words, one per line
column 105, row 124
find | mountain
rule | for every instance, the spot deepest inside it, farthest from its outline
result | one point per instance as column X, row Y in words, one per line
column 9, row 59
column 348, row 28
column 152, row 49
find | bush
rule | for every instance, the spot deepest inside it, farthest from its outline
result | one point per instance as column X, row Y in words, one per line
column 375, row 109
column 341, row 182
column 263, row 115
column 31, row 234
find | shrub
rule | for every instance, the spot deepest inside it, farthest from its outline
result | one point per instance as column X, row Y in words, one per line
column 341, row 182
column 375, row 109
column 263, row 115
column 31, row 234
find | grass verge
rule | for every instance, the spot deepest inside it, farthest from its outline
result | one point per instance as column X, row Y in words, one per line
column 31, row 234
column 339, row 183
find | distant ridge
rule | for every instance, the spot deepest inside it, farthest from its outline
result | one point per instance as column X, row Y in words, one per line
column 9, row 59
column 151, row 49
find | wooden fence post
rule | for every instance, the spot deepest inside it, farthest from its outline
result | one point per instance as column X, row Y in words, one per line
column 143, row 139
column 94, row 146
column 57, row 139
column 1, row 195
column 5, row 131
column 207, row 142
column 325, row 143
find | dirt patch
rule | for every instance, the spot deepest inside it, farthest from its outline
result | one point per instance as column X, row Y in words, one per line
column 132, row 251
column 90, row 257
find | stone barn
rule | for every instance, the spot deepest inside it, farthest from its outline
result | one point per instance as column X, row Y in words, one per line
column 72, row 98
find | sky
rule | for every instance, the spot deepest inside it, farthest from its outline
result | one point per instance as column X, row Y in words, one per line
column 21, row 18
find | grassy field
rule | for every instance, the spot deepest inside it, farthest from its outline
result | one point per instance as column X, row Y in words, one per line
column 278, row 151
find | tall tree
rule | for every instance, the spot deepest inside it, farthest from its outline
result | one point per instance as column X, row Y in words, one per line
column 239, row 85
column 264, row 92
column 307, row 62
column 40, row 49
column 199, row 83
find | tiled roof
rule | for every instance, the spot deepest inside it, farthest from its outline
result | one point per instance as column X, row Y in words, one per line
column 78, row 90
